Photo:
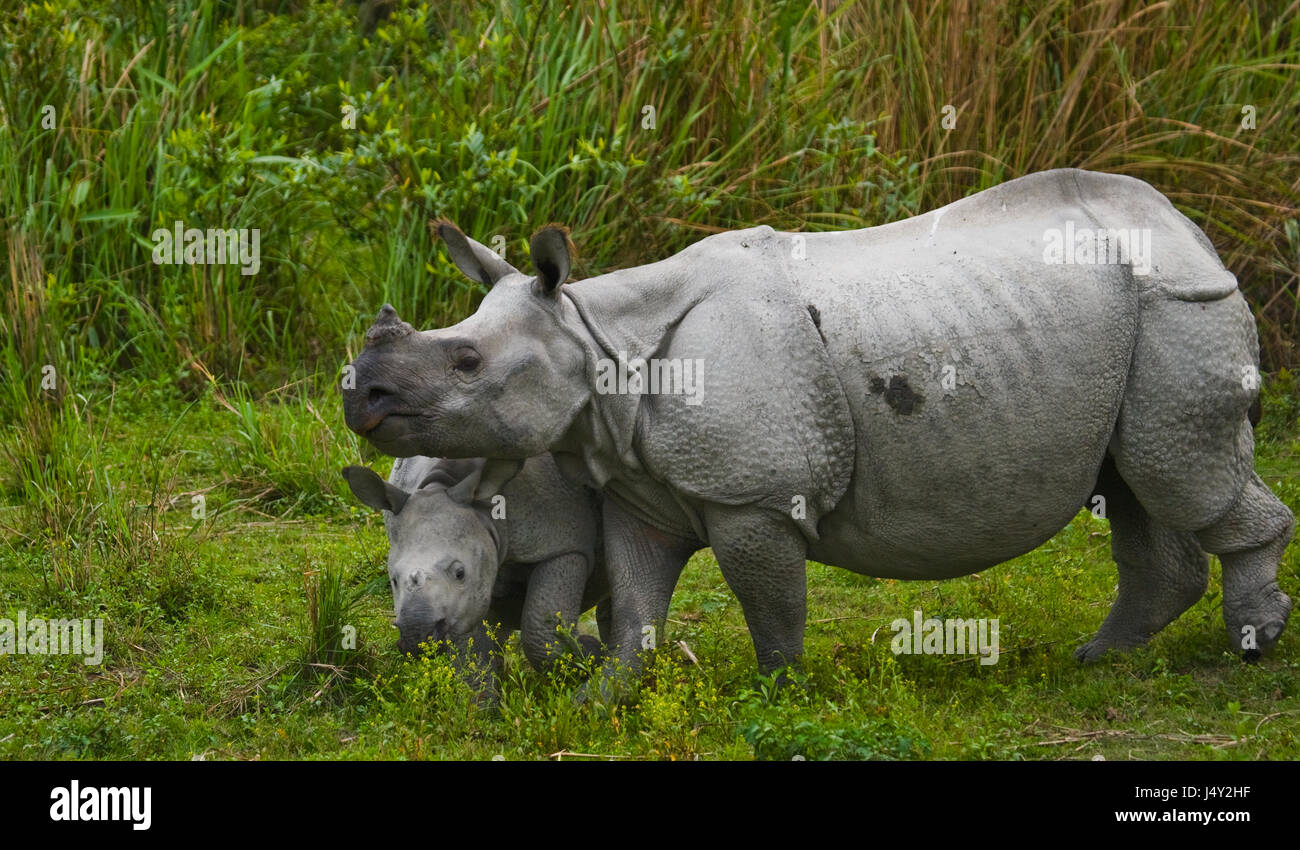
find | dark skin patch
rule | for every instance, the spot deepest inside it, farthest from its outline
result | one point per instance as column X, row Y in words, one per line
column 898, row 394
column 816, row 316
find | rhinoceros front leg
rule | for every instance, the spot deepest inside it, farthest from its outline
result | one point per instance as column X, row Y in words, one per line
column 478, row 658
column 762, row 557
column 605, row 620
column 552, row 606
column 643, row 564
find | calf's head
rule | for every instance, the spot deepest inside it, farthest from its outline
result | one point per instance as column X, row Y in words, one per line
column 505, row 383
column 444, row 547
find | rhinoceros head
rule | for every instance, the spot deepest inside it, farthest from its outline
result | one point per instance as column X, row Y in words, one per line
column 444, row 547
column 504, row 383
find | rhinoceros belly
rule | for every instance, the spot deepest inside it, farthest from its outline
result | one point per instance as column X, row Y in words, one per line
column 983, row 383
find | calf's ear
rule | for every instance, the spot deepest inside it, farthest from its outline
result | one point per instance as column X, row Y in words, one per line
column 476, row 261
column 374, row 491
column 485, row 481
column 552, row 256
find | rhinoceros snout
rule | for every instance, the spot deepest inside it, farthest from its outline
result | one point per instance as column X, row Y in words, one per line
column 414, row 635
column 369, row 400
column 368, row 397
column 378, row 402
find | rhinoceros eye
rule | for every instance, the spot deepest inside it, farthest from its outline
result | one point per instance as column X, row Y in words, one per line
column 458, row 570
column 466, row 359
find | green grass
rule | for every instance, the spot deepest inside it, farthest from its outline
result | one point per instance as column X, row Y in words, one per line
column 179, row 477
column 214, row 649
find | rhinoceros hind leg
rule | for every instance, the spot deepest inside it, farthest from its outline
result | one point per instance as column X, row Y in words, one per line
column 1162, row 571
column 1249, row 540
column 1184, row 444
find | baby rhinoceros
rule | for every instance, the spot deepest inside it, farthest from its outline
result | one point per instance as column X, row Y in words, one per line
column 481, row 543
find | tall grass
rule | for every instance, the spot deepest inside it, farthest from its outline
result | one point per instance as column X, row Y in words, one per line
column 502, row 116
column 642, row 125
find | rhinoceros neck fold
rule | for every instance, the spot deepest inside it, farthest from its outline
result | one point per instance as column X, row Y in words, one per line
column 726, row 309
column 623, row 316
column 598, row 435
column 629, row 312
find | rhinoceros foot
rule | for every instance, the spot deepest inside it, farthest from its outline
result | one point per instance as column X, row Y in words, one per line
column 592, row 647
column 1256, row 628
column 1094, row 649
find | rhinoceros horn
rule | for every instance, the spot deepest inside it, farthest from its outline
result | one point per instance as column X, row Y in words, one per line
column 388, row 326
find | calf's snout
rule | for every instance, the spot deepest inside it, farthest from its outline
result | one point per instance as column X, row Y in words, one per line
column 415, row 633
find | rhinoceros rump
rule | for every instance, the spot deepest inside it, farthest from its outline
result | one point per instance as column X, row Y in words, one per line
column 918, row 400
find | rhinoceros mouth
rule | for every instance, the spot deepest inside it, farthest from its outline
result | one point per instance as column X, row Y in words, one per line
column 371, row 423
column 386, row 426
column 438, row 638
column 378, row 404
column 375, row 420
column 396, row 436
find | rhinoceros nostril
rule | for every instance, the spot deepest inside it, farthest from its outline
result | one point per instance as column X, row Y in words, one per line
column 380, row 402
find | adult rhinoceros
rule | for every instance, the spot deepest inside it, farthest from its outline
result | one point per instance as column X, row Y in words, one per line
column 918, row 400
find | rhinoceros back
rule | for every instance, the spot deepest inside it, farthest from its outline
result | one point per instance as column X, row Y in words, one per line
column 984, row 379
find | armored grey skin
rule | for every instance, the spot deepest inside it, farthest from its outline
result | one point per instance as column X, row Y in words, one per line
column 919, row 400
column 477, row 545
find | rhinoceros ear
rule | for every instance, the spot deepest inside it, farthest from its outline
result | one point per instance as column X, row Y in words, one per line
column 551, row 251
column 496, row 475
column 374, row 491
column 475, row 261
column 485, row 481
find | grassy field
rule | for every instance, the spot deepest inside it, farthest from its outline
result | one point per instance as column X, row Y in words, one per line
column 209, row 649
column 172, row 434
